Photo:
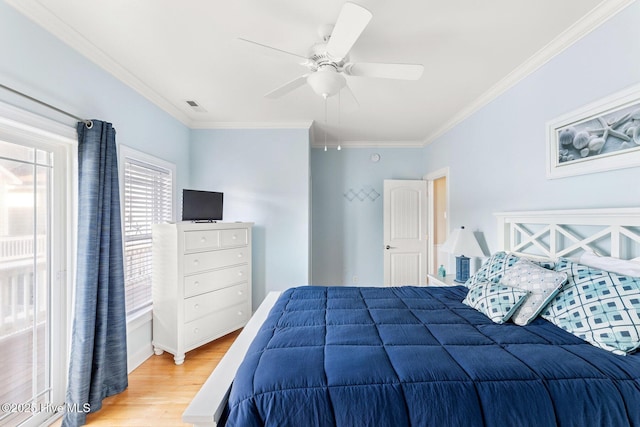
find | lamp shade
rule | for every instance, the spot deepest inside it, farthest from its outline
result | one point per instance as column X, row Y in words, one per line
column 462, row 241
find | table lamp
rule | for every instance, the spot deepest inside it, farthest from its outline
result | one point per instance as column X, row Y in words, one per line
column 463, row 244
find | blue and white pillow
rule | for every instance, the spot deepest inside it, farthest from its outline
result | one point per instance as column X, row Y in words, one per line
column 496, row 301
column 543, row 285
column 600, row 307
column 493, row 268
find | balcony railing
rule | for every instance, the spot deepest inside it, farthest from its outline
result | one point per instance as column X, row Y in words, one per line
column 23, row 322
column 20, row 247
column 23, row 283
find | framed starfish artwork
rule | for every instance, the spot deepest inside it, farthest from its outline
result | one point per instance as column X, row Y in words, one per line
column 601, row 136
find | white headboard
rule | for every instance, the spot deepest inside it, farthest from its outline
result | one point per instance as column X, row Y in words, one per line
column 556, row 233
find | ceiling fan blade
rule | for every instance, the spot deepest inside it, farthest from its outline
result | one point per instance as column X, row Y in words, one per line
column 386, row 71
column 351, row 22
column 287, row 87
column 274, row 51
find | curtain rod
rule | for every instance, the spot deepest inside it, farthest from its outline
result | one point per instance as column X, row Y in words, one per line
column 88, row 123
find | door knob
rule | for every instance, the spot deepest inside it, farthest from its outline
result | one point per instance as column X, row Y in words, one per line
column 387, row 247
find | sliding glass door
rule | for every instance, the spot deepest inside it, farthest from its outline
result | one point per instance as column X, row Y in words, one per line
column 33, row 278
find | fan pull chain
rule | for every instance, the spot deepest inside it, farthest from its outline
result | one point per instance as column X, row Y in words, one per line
column 339, row 146
column 325, row 122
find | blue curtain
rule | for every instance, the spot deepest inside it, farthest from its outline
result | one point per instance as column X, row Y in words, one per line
column 98, row 365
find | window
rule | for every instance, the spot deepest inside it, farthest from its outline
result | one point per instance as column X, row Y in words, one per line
column 147, row 198
column 35, row 254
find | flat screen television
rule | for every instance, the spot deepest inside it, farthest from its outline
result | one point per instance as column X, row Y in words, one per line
column 203, row 206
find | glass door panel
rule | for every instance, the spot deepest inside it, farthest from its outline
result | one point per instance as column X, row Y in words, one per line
column 25, row 281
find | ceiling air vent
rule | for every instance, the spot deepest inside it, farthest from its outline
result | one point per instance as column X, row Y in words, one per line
column 196, row 107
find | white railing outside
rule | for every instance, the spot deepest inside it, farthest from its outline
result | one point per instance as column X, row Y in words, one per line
column 20, row 247
column 17, row 279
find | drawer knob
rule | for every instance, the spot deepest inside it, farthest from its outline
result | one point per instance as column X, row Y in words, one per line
column 196, row 283
column 240, row 255
column 234, row 237
column 196, row 262
column 240, row 313
column 203, row 239
column 240, row 273
column 240, row 292
column 197, row 306
column 196, row 330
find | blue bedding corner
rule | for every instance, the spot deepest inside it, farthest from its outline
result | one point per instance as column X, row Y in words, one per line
column 346, row 356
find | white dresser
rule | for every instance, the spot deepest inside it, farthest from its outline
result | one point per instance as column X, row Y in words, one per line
column 201, row 283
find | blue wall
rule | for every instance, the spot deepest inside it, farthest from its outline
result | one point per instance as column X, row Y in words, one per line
column 264, row 174
column 497, row 156
column 347, row 235
column 38, row 64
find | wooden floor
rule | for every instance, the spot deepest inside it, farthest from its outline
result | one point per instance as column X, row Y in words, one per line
column 159, row 391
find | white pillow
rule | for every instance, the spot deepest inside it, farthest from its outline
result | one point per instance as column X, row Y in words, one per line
column 542, row 285
column 614, row 265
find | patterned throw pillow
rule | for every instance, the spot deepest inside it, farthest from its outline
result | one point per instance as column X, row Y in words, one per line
column 600, row 307
column 543, row 285
column 496, row 301
column 493, row 268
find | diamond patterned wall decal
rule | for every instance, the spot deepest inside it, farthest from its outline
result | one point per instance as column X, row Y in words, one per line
column 365, row 193
column 350, row 195
column 373, row 195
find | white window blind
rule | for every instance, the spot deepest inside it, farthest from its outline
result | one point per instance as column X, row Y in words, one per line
column 148, row 200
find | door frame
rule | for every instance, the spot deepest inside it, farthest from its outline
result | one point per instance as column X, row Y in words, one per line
column 430, row 177
column 23, row 127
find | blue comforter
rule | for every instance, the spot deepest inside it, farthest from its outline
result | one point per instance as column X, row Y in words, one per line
column 340, row 356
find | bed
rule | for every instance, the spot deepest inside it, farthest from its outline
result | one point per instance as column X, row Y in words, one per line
column 422, row 356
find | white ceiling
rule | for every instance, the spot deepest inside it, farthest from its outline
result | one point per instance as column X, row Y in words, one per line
column 174, row 51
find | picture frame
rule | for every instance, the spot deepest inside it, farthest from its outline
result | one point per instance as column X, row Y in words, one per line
column 601, row 136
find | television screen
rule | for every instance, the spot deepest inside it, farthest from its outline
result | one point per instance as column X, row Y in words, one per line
column 201, row 205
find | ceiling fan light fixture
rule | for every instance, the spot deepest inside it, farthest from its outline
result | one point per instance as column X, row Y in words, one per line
column 328, row 60
column 326, row 81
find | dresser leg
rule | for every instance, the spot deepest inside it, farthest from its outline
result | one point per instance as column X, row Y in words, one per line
column 179, row 359
column 157, row 351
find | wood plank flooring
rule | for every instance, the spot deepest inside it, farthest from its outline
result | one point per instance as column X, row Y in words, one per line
column 159, row 391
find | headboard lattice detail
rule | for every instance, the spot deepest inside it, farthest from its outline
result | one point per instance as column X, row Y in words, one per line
column 553, row 234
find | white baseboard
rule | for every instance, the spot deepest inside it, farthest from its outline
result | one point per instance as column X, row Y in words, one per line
column 138, row 358
column 139, row 332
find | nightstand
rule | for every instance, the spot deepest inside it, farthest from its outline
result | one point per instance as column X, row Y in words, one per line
column 442, row 281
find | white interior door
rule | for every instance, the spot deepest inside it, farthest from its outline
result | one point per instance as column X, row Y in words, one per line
column 405, row 232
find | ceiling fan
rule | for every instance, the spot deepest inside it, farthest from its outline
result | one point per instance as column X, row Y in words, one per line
column 328, row 60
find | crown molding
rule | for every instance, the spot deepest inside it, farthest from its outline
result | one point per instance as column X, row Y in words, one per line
column 596, row 17
column 371, row 144
column 41, row 15
column 45, row 18
column 251, row 125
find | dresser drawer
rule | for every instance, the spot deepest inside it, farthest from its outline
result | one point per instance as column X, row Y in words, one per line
column 201, row 240
column 212, row 280
column 233, row 237
column 204, row 304
column 203, row 261
column 202, row 329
